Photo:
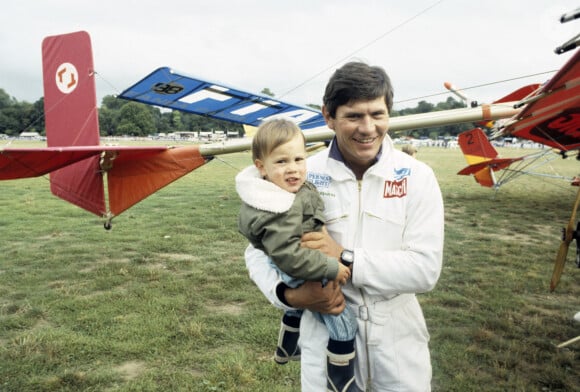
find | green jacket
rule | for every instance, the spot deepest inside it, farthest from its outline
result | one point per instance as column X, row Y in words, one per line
column 274, row 221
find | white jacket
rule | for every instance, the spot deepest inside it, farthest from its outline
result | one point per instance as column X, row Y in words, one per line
column 393, row 221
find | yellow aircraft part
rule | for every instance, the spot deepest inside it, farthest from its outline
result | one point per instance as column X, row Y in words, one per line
column 250, row 130
column 474, row 159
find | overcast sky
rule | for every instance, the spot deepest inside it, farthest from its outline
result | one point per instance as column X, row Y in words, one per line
column 292, row 47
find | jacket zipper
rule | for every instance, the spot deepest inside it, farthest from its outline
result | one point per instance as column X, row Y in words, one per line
column 363, row 309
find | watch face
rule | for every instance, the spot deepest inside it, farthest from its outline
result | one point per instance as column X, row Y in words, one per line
column 347, row 256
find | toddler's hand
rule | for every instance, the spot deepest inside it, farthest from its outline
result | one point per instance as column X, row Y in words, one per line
column 343, row 274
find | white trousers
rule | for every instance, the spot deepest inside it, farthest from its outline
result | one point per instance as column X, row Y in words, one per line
column 391, row 345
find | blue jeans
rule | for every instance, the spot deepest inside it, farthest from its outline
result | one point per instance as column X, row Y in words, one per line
column 341, row 327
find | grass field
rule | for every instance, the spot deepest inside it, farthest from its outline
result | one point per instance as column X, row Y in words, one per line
column 163, row 302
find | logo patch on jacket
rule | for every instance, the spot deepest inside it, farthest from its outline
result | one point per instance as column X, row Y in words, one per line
column 398, row 186
column 402, row 173
column 319, row 180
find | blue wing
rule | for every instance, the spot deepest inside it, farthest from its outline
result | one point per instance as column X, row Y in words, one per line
column 166, row 88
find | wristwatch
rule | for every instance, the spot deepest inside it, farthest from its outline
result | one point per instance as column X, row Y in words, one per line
column 347, row 257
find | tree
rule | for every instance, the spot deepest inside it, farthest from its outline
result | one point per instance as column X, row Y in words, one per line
column 176, row 123
column 424, row 107
column 9, row 124
column 107, row 121
column 5, row 99
column 38, row 115
column 162, row 120
column 266, row 91
column 135, row 120
column 110, row 102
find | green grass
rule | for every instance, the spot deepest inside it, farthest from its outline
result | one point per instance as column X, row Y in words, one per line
column 163, row 301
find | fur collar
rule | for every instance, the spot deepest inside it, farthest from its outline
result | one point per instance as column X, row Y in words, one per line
column 262, row 194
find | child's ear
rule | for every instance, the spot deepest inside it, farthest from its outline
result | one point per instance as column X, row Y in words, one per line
column 260, row 166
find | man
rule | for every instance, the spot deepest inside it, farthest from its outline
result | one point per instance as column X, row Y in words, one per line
column 384, row 217
column 410, row 149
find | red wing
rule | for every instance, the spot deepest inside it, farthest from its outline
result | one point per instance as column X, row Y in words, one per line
column 519, row 94
column 18, row 163
column 133, row 178
column 84, row 185
column 554, row 118
column 23, row 163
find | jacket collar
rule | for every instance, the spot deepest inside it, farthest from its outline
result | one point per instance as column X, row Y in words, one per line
column 262, row 194
column 339, row 171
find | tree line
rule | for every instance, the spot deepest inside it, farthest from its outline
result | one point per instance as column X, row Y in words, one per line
column 119, row 117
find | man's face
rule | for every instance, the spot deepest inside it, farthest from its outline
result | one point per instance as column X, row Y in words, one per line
column 285, row 166
column 360, row 127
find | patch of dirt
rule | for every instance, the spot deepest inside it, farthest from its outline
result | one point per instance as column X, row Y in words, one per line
column 228, row 308
column 179, row 256
column 156, row 267
column 131, row 369
column 104, row 261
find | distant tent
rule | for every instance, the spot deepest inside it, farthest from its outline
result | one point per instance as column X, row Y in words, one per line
column 30, row 135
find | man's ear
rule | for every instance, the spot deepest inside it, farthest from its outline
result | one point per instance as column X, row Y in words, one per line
column 327, row 118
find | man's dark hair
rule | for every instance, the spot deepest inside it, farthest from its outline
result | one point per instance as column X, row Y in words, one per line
column 356, row 81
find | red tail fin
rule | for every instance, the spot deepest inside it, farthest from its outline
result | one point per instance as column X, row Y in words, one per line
column 478, row 151
column 475, row 146
column 71, row 116
column 482, row 158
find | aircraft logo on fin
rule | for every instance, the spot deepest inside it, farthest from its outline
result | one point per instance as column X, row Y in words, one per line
column 66, row 78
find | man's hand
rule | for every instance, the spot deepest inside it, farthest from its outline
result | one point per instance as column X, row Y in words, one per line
column 314, row 297
column 321, row 241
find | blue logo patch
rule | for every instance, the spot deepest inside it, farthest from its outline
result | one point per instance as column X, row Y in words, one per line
column 319, row 180
column 402, row 173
